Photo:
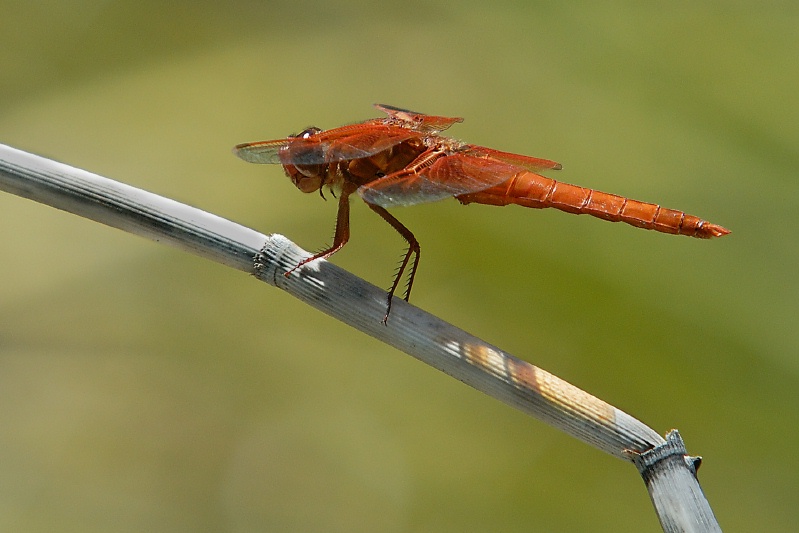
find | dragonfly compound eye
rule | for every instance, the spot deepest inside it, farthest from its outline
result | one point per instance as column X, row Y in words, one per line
column 307, row 132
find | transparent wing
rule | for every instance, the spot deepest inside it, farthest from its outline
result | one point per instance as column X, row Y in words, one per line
column 262, row 152
column 355, row 141
column 450, row 175
column 533, row 164
column 418, row 121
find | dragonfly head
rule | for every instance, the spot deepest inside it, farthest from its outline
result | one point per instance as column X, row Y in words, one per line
column 307, row 178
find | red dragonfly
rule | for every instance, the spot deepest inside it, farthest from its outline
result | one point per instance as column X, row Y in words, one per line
column 402, row 160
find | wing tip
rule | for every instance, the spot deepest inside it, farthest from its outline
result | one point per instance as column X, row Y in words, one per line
column 244, row 155
column 238, row 152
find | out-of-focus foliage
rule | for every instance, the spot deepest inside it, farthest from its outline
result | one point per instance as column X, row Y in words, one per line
column 144, row 389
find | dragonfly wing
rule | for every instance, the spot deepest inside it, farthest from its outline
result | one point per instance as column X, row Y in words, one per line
column 267, row 152
column 418, row 121
column 533, row 164
column 450, row 175
column 355, row 141
column 364, row 142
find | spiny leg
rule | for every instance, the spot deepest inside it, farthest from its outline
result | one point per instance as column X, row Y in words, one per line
column 413, row 249
column 342, row 231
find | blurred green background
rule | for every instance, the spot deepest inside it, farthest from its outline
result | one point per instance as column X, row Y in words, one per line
column 143, row 389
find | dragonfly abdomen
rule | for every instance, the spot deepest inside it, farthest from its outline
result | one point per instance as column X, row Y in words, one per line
column 533, row 190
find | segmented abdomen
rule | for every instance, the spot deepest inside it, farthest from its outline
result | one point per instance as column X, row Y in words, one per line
column 533, row 190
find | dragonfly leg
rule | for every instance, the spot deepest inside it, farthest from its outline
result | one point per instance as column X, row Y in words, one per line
column 342, row 231
column 413, row 249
